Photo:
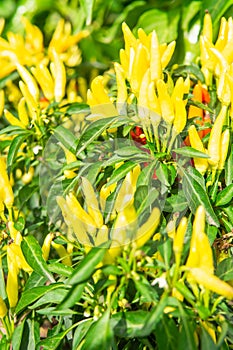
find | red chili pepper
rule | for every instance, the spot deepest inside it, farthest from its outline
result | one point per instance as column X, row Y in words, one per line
column 138, row 135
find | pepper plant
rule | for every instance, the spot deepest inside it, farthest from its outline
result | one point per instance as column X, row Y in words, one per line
column 116, row 196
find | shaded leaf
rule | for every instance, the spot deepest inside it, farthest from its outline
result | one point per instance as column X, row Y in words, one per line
column 33, row 254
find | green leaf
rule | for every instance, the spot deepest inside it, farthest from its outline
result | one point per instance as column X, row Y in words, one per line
column 31, row 334
column 128, row 324
column 167, row 334
column 51, row 343
column 13, row 130
column 25, row 193
column 153, row 317
column 87, row 266
column 191, row 69
column 80, row 332
column 54, row 296
column 66, row 138
column 211, row 232
column 162, row 173
column 100, row 334
column 144, row 197
column 60, row 269
column 76, row 108
column 120, row 172
column 13, row 150
column 224, row 196
column 35, row 280
column 74, row 295
column 146, row 174
column 206, row 341
column 33, row 255
column 229, row 169
column 186, row 339
column 18, row 335
column 52, row 311
column 147, row 292
column 128, row 151
column 31, row 295
column 164, row 22
column 88, row 5
column 196, row 195
column 225, row 269
column 183, row 289
column 176, row 203
column 92, row 132
column 190, row 152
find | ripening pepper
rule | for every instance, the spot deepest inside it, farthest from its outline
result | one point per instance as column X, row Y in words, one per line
column 3, row 308
column 6, row 192
column 214, row 144
column 201, row 164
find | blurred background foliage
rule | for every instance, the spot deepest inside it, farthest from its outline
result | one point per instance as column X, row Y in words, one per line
column 179, row 20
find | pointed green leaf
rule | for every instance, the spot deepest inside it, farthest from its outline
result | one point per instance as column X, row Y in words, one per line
column 31, row 295
column 33, row 254
column 99, row 335
column 196, row 195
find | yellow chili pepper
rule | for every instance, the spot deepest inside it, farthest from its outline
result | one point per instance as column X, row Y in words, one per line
column 180, row 116
column 165, row 102
column 59, row 76
column 3, row 308
column 83, row 216
column 225, row 140
column 14, row 233
column 214, row 144
column 178, row 241
column 153, row 102
column 73, row 221
column 145, row 232
column 34, row 36
column 2, row 101
column 121, row 85
column 211, row 282
column 207, row 27
column 222, row 35
column 47, row 244
column 22, row 111
column 129, row 38
column 61, row 251
column 155, row 58
column 201, row 164
column 105, row 191
column 167, row 55
column 12, row 285
column 31, row 101
column 198, row 228
column 29, row 81
column 124, row 60
column 7, row 192
column 139, row 68
column 28, row 176
column 144, row 38
column 12, row 119
column 92, row 202
column 44, row 78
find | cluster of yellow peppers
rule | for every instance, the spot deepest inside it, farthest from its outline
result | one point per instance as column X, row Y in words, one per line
column 89, row 225
column 141, row 65
column 46, row 75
